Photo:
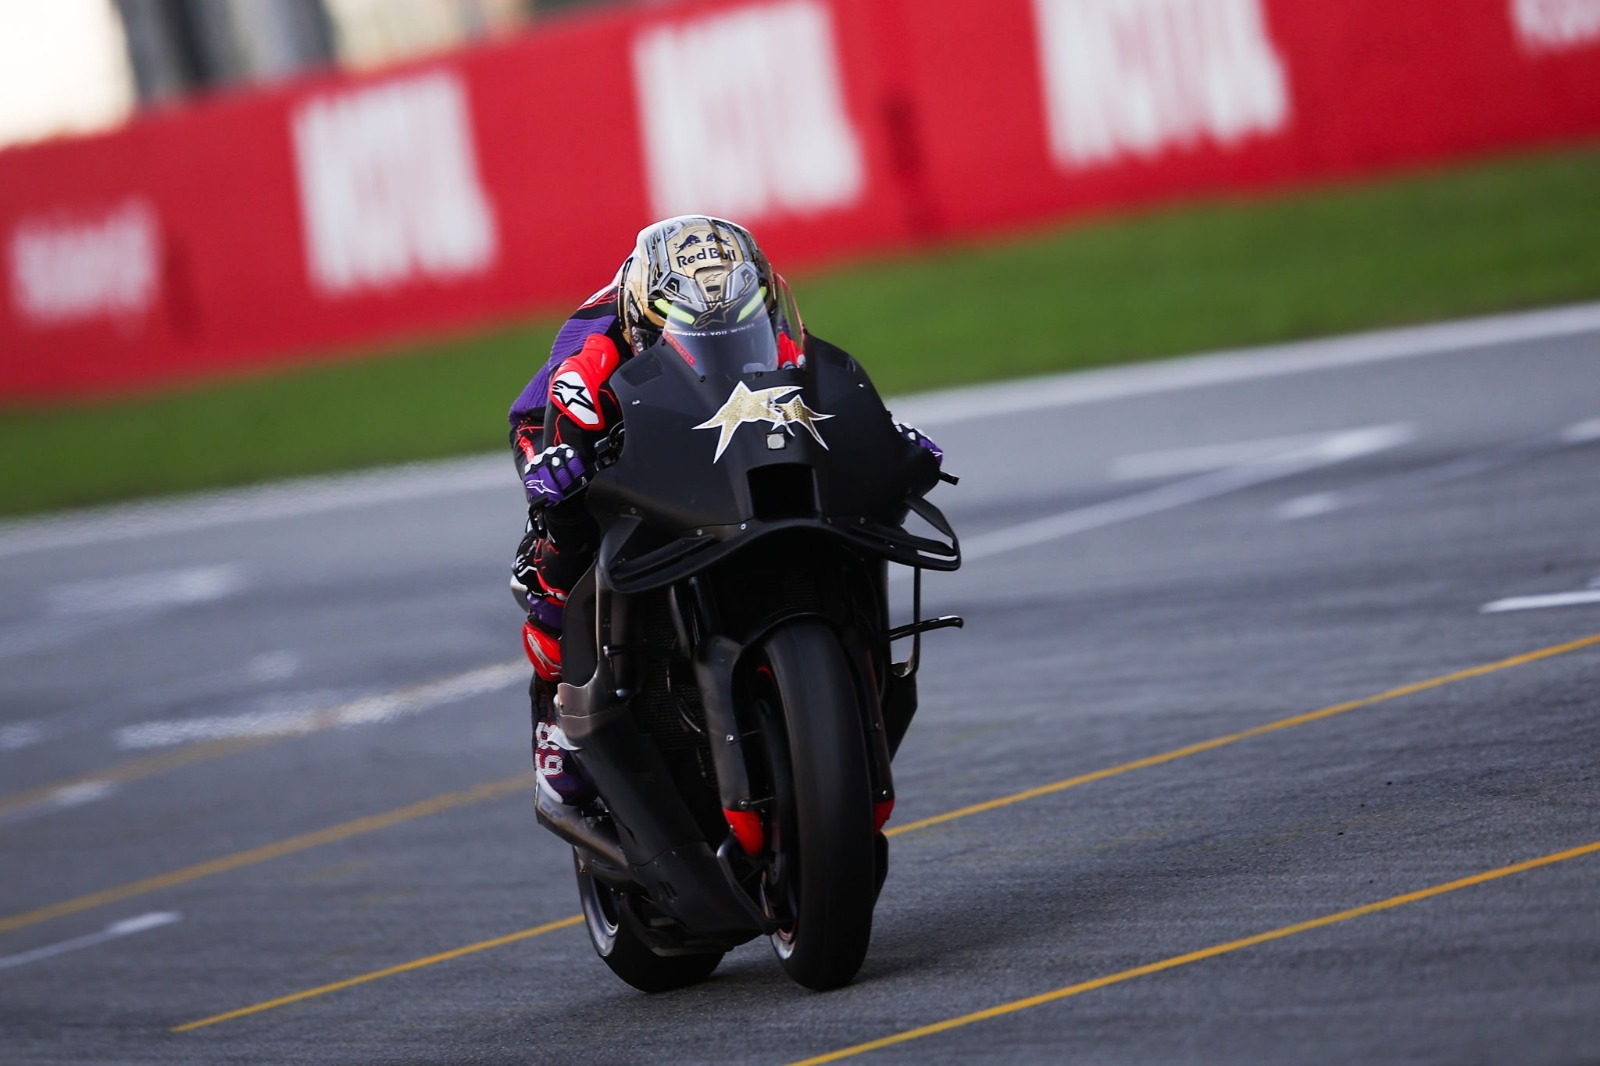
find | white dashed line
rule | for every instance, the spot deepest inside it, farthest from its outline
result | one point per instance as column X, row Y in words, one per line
column 1534, row 603
column 83, row 608
column 272, row 667
column 1251, row 364
column 1335, row 448
column 285, row 499
column 1582, row 433
column 18, row 735
column 1402, row 485
column 368, row 710
column 137, row 593
column 1176, row 462
column 64, row 798
column 127, row 927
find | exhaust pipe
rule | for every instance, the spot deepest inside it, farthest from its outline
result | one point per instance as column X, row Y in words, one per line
column 581, row 831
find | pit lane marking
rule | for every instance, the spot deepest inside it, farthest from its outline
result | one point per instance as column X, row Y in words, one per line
column 376, row 975
column 205, row 739
column 82, row 609
column 1249, row 734
column 366, row 710
column 1535, row 603
column 1324, row 451
column 1200, row 458
column 1072, row 782
column 304, row 842
column 1011, row 398
column 114, row 931
column 1480, row 462
column 1205, row 953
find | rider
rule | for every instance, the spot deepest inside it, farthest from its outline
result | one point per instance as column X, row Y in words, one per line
column 566, row 419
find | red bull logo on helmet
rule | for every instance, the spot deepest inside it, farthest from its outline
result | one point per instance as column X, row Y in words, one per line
column 710, row 253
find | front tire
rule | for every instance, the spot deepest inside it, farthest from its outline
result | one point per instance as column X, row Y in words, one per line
column 825, row 862
column 610, row 919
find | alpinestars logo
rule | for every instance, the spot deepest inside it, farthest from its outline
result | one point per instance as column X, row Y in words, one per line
column 570, row 391
column 763, row 405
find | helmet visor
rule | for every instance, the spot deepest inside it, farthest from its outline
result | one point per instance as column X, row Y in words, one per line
column 759, row 332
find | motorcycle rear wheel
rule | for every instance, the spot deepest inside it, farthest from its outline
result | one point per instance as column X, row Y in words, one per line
column 823, row 837
column 610, row 920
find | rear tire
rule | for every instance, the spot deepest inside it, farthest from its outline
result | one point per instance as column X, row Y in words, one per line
column 826, row 885
column 610, row 920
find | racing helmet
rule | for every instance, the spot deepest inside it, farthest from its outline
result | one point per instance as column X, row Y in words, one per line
column 696, row 270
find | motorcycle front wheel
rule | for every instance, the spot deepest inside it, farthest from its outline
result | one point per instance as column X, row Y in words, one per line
column 822, row 882
column 610, row 920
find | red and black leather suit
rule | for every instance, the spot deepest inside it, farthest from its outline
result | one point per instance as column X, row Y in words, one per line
column 552, row 412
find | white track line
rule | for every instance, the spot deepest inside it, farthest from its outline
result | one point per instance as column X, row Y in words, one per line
column 1199, row 458
column 14, row 736
column 64, row 798
column 1582, row 432
column 1252, row 364
column 83, row 608
column 369, row 710
column 1534, row 603
column 1336, row 448
column 493, row 472
column 284, row 499
column 1407, row 484
column 127, row 927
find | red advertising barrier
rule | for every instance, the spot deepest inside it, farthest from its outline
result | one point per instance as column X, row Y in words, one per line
column 338, row 212
column 341, row 211
column 1090, row 104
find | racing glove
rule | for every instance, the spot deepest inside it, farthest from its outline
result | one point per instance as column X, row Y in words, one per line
column 913, row 435
column 553, row 475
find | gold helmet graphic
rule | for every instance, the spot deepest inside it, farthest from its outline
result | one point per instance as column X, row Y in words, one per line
column 697, row 271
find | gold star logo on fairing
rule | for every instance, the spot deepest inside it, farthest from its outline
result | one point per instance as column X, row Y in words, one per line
column 762, row 405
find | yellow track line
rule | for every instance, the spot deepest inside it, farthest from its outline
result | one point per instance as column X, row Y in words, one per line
column 415, row 964
column 132, row 770
column 303, row 842
column 495, row 790
column 1071, row 782
column 1260, row 730
column 1198, row 956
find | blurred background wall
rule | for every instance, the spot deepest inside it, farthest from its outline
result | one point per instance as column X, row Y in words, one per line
column 300, row 176
column 78, row 65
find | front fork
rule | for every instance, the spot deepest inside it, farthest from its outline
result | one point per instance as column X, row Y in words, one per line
column 888, row 704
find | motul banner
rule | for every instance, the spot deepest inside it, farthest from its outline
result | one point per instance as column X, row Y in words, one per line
column 340, row 212
column 1092, row 104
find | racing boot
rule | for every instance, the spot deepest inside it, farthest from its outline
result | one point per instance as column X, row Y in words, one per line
column 554, row 756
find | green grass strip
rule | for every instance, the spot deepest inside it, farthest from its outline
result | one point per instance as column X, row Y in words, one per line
column 1489, row 237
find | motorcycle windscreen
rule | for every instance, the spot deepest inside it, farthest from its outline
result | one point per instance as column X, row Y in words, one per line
column 760, row 332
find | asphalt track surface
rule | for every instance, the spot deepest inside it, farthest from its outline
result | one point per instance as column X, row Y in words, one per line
column 1231, row 763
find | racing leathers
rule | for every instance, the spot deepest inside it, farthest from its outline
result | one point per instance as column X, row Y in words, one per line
column 558, row 424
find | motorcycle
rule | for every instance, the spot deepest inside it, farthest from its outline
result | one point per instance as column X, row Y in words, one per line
column 729, row 685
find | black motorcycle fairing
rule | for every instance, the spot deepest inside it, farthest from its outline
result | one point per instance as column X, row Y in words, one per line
column 707, row 622
column 751, row 454
column 663, row 822
column 663, row 844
